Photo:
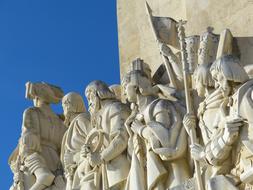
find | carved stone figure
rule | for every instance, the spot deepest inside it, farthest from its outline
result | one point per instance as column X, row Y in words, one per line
column 211, row 111
column 36, row 161
column 209, row 118
column 108, row 115
column 158, row 123
column 135, row 136
column 234, row 82
column 78, row 122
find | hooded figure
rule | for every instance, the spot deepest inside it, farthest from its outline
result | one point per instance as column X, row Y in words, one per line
column 77, row 119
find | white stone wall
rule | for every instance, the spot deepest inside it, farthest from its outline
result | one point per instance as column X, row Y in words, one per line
column 136, row 37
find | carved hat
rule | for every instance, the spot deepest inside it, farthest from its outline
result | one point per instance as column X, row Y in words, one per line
column 208, row 46
column 139, row 66
column 44, row 91
column 140, row 76
column 231, row 69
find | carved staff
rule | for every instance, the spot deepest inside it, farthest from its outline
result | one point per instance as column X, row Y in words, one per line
column 189, row 107
column 164, row 58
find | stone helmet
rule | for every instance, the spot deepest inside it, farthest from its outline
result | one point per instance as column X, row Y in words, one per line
column 47, row 92
column 231, row 69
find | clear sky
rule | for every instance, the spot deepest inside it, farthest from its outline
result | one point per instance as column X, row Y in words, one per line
column 66, row 43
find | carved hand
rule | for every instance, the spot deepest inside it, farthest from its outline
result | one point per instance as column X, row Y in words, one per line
column 197, row 152
column 95, row 159
column 85, row 150
column 232, row 130
column 189, row 122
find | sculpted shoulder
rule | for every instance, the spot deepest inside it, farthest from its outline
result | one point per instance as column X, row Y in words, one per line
column 161, row 105
column 30, row 110
column 83, row 118
column 119, row 108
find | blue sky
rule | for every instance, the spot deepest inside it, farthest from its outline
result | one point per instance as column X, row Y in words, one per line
column 66, row 43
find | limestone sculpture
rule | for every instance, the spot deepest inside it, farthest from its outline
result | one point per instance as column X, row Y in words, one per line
column 36, row 161
column 108, row 115
column 77, row 119
column 192, row 132
column 234, row 82
column 158, row 124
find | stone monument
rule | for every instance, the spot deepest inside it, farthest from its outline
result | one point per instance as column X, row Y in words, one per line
column 181, row 119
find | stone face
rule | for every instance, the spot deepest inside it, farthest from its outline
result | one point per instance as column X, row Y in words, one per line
column 136, row 38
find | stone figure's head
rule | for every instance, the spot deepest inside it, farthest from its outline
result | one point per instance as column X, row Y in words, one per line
column 72, row 103
column 203, row 79
column 43, row 93
column 96, row 92
column 228, row 73
column 137, row 81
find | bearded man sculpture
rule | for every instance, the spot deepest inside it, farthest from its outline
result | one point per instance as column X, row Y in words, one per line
column 78, row 121
column 108, row 115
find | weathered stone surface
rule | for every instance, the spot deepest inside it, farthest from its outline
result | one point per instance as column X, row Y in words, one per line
column 189, row 129
column 136, row 38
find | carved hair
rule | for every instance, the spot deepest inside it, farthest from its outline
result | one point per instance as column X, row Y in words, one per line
column 101, row 89
column 203, row 75
column 76, row 101
column 230, row 67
